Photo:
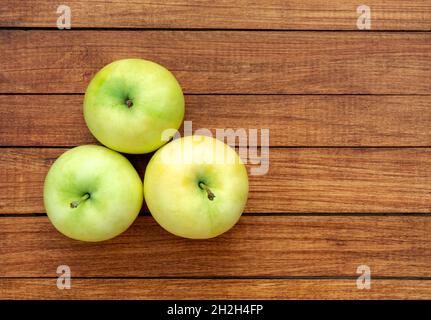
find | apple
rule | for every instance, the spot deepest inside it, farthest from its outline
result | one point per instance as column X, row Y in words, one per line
column 196, row 187
column 92, row 193
column 130, row 103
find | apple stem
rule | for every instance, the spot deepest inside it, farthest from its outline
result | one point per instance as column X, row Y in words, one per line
column 211, row 195
column 129, row 103
column 75, row 204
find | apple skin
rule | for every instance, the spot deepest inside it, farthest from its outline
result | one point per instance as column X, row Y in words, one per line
column 174, row 195
column 114, row 188
column 158, row 104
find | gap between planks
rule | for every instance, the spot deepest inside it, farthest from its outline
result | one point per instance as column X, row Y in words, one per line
column 210, row 29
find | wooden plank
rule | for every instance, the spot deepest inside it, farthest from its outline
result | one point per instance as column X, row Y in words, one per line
column 259, row 246
column 54, row 61
column 177, row 289
column 244, row 14
column 299, row 180
column 35, row 120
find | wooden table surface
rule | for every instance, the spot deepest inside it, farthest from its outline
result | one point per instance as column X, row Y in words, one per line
column 349, row 113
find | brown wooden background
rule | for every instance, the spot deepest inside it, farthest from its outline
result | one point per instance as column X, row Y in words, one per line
column 350, row 161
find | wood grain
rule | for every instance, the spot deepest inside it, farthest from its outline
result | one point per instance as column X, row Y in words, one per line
column 260, row 246
column 299, row 180
column 328, row 99
column 54, row 61
column 44, row 120
column 227, row 289
column 245, row 14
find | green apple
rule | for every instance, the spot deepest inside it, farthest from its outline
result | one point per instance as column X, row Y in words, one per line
column 92, row 193
column 130, row 103
column 196, row 187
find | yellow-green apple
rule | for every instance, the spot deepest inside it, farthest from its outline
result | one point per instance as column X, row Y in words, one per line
column 196, row 187
column 92, row 193
column 130, row 102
